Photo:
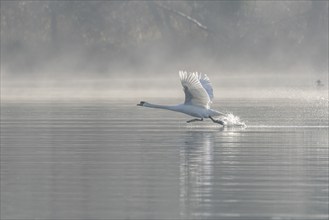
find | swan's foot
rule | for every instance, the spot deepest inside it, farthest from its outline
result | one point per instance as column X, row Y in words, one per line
column 196, row 119
column 217, row 121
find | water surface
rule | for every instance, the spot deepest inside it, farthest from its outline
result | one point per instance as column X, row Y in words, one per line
column 114, row 160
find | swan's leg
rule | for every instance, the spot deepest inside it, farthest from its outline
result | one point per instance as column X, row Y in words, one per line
column 196, row 119
column 217, row 121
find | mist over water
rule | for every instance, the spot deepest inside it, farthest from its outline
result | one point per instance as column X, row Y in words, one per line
column 114, row 49
column 74, row 145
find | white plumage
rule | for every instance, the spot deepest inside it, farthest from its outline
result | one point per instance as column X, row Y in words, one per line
column 198, row 98
column 197, row 88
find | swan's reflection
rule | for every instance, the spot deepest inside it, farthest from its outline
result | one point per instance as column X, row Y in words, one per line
column 197, row 176
column 196, row 170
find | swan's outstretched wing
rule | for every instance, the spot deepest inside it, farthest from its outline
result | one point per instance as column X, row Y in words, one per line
column 205, row 82
column 197, row 88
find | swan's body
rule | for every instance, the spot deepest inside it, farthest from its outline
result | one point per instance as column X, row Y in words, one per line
column 198, row 97
column 195, row 111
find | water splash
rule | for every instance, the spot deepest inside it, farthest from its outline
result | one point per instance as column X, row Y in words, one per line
column 231, row 120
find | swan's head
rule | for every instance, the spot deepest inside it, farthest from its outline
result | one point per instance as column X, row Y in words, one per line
column 142, row 103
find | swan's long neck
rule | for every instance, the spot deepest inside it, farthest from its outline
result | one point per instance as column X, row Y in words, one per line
column 168, row 107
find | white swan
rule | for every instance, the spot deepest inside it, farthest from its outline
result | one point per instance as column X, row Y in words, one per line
column 198, row 97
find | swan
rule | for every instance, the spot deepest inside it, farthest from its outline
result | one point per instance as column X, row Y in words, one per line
column 198, row 98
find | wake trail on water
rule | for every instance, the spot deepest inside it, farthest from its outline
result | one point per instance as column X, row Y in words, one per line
column 288, row 126
column 231, row 120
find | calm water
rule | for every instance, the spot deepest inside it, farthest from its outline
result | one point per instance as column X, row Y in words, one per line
column 114, row 160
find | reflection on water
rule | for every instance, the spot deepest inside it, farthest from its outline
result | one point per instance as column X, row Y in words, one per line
column 196, row 170
column 247, row 174
column 112, row 161
column 197, row 177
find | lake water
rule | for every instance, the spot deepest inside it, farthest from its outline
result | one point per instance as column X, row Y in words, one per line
column 114, row 160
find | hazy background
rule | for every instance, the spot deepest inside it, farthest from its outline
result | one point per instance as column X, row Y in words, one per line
column 108, row 49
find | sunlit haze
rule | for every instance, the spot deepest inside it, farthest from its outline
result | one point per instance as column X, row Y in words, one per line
column 134, row 49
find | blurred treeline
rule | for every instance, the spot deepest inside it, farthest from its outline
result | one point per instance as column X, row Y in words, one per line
column 99, row 36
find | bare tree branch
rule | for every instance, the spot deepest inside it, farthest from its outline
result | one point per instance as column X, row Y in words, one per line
column 194, row 21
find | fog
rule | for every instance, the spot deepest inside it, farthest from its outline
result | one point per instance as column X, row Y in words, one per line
column 116, row 49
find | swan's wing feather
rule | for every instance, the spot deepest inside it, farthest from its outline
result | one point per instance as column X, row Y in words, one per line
column 205, row 82
column 195, row 92
column 188, row 95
